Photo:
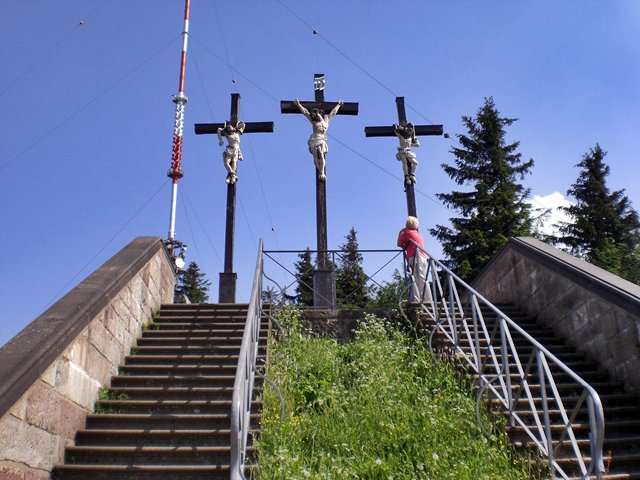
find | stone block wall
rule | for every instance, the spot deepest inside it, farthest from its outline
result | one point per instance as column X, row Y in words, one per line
column 53, row 371
column 593, row 310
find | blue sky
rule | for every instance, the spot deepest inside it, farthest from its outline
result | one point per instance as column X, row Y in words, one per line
column 87, row 119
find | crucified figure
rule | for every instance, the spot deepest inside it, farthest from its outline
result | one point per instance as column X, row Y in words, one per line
column 407, row 137
column 232, row 153
column 318, row 140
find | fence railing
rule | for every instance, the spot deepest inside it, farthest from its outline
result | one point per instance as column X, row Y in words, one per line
column 245, row 376
column 520, row 373
column 297, row 278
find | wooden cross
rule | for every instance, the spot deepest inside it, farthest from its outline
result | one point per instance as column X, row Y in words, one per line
column 390, row 131
column 227, row 287
column 323, row 279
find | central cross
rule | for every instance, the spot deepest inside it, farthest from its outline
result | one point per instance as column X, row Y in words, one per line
column 320, row 113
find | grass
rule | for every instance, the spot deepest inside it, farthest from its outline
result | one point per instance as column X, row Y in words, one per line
column 379, row 407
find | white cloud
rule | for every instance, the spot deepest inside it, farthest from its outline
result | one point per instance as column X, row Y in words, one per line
column 552, row 203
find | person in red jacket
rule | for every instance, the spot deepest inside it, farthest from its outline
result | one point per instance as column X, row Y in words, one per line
column 416, row 258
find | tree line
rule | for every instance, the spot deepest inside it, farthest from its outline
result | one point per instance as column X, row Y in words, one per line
column 603, row 229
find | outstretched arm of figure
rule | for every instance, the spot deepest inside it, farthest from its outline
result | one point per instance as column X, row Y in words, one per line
column 335, row 110
column 241, row 126
column 220, row 142
column 303, row 110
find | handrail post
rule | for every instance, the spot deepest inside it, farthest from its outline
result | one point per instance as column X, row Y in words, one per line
column 595, row 437
column 476, row 335
column 545, row 408
column 454, row 311
column 506, row 367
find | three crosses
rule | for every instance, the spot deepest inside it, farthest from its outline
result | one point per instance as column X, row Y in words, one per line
column 319, row 113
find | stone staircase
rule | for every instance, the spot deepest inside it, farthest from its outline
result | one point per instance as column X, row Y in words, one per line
column 167, row 414
column 621, row 410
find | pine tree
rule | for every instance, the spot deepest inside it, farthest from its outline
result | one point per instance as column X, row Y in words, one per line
column 494, row 209
column 605, row 229
column 304, row 275
column 351, row 281
column 193, row 284
column 391, row 293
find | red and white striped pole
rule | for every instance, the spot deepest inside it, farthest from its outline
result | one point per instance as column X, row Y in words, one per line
column 175, row 172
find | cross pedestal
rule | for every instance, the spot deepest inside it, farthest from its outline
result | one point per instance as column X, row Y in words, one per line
column 227, row 286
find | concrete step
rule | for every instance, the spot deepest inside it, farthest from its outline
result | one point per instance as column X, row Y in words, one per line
column 173, row 381
column 181, row 360
column 192, row 334
column 623, row 461
column 143, row 455
column 148, row 421
column 210, row 394
column 215, row 343
column 141, row 472
column 614, row 429
column 165, row 407
column 180, row 370
column 236, row 328
column 166, row 438
column 608, row 400
column 564, row 354
column 181, row 349
column 168, row 416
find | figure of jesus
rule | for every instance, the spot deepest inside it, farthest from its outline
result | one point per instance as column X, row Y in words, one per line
column 232, row 153
column 407, row 137
column 318, row 139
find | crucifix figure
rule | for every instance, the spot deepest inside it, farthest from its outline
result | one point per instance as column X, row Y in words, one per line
column 407, row 134
column 318, row 140
column 407, row 137
column 231, row 130
column 320, row 113
column 232, row 153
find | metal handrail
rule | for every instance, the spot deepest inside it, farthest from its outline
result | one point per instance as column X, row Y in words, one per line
column 510, row 382
column 333, row 255
column 245, row 376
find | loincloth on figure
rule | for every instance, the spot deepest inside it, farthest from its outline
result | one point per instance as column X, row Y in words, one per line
column 318, row 142
column 232, row 152
column 405, row 153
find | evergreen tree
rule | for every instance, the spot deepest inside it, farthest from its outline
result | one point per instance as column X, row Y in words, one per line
column 605, row 229
column 304, row 275
column 351, row 281
column 193, row 284
column 391, row 293
column 494, row 209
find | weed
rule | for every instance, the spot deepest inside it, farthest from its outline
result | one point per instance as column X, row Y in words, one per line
column 379, row 407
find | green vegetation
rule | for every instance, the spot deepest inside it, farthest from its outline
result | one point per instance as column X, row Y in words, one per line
column 193, row 283
column 105, row 395
column 494, row 207
column 304, row 273
column 604, row 228
column 379, row 407
column 351, row 281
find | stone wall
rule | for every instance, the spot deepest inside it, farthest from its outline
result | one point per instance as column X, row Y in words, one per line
column 53, row 371
column 340, row 324
column 593, row 310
